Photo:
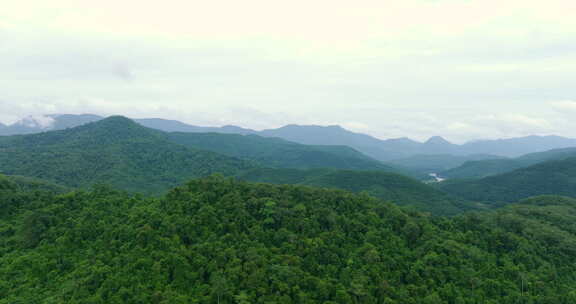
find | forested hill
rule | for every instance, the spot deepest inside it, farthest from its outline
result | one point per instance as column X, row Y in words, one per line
column 115, row 151
column 219, row 241
column 279, row 153
column 484, row 168
column 391, row 187
column 551, row 177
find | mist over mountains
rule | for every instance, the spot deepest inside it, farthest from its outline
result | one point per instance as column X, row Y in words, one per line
column 380, row 149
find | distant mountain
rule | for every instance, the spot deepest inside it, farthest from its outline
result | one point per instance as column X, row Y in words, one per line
column 31, row 124
column 489, row 167
column 514, row 147
column 398, row 148
column 438, row 145
column 383, row 150
column 65, row 121
column 279, row 153
column 389, row 186
column 434, row 163
column 115, row 151
column 177, row 126
column 556, row 177
column 336, row 135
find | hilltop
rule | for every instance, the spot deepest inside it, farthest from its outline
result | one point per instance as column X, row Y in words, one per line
column 391, row 187
column 115, row 151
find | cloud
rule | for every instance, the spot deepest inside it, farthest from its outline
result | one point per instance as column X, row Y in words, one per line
column 564, row 105
column 460, row 69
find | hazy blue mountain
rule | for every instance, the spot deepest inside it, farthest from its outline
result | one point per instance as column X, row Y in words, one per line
column 114, row 151
column 383, row 150
column 438, row 145
column 556, row 177
column 28, row 125
column 336, row 135
column 279, row 153
column 65, row 121
column 489, row 167
column 177, row 126
column 31, row 125
column 514, row 147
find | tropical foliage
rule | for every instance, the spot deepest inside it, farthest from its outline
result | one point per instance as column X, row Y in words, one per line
column 217, row 240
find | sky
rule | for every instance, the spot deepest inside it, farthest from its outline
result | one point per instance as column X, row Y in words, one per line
column 462, row 69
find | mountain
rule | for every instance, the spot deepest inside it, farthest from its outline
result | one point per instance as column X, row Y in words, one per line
column 551, row 177
column 423, row 164
column 115, row 151
column 65, row 121
column 31, row 124
column 438, row 145
column 388, row 186
column 484, row 168
column 279, row 153
column 221, row 241
column 336, row 135
column 383, row 150
column 177, row 126
column 514, row 147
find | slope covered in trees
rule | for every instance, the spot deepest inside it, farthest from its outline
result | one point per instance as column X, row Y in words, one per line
column 423, row 164
column 220, row 241
column 551, row 177
column 116, row 151
column 279, row 153
column 392, row 187
column 484, row 168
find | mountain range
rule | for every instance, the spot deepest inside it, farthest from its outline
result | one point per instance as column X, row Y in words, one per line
column 107, row 210
column 488, row 167
column 383, row 150
column 391, row 187
column 115, row 151
column 126, row 155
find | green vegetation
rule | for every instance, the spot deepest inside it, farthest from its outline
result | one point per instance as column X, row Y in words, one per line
column 115, row 151
column 216, row 240
column 435, row 163
column 392, row 187
column 279, row 153
column 551, row 177
column 484, row 168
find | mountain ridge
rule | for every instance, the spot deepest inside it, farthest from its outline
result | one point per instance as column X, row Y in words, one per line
column 114, row 150
column 381, row 149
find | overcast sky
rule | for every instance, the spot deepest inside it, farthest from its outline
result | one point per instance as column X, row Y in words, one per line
column 461, row 69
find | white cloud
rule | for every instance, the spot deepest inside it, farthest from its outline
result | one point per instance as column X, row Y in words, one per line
column 462, row 69
column 564, row 105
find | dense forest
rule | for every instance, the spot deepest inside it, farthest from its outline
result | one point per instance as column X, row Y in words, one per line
column 113, row 212
column 489, row 167
column 116, row 151
column 279, row 153
column 550, row 177
column 217, row 240
column 392, row 187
